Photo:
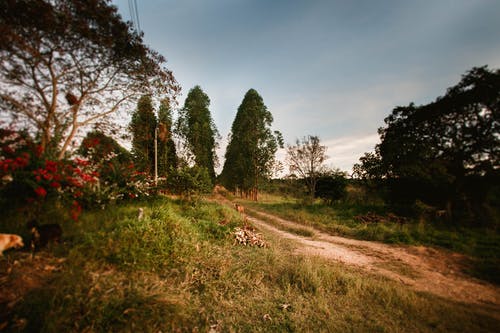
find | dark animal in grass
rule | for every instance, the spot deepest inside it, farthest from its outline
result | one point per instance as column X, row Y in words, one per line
column 41, row 235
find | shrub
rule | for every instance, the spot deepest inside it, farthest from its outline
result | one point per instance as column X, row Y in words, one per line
column 190, row 181
column 331, row 187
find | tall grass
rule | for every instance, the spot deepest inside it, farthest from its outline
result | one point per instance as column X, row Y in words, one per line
column 178, row 270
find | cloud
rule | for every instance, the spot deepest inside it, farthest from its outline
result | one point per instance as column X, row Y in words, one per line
column 345, row 152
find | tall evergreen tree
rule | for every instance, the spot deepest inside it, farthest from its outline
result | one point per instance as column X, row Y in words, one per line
column 250, row 154
column 196, row 127
column 143, row 127
column 167, row 155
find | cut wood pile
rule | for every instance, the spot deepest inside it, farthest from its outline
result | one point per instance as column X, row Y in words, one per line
column 248, row 236
column 371, row 217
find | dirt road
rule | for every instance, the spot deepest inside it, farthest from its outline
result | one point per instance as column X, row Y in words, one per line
column 424, row 269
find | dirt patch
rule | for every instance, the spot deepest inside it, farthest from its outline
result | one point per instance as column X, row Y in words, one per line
column 20, row 274
column 424, row 269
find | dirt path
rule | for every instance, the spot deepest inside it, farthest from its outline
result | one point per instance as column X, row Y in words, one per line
column 424, row 269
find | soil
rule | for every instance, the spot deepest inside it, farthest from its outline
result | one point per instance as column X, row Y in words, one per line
column 422, row 268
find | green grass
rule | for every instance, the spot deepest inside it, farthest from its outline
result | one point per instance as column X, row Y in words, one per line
column 178, row 269
column 482, row 244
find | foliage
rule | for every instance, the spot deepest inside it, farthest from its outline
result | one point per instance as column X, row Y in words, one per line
column 118, row 176
column 196, row 127
column 167, row 154
column 369, row 168
column 97, row 146
column 29, row 179
column 143, row 126
column 447, row 151
column 331, row 186
column 189, row 181
column 34, row 182
column 306, row 159
column 250, row 154
column 68, row 64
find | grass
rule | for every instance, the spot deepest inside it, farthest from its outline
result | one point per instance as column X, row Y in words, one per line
column 178, row 270
column 482, row 244
column 294, row 230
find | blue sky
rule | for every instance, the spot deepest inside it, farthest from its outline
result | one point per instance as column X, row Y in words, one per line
column 334, row 69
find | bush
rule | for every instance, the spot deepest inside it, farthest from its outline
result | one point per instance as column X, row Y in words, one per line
column 331, row 187
column 190, row 181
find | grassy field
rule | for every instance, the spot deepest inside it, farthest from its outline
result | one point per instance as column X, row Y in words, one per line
column 179, row 270
column 482, row 244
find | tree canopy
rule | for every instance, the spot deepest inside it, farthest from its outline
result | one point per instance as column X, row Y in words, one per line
column 196, row 127
column 250, row 154
column 142, row 127
column 167, row 155
column 67, row 64
column 447, row 150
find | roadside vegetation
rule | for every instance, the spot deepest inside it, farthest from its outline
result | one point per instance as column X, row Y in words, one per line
column 178, row 269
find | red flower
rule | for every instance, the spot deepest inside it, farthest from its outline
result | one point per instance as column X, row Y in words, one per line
column 39, row 151
column 51, row 166
column 55, row 185
column 76, row 210
column 40, row 191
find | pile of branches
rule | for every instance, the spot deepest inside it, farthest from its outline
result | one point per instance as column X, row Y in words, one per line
column 371, row 217
column 248, row 236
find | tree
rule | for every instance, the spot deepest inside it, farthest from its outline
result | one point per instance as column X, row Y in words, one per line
column 69, row 64
column 167, row 155
column 369, row 167
column 142, row 127
column 196, row 127
column 306, row 159
column 448, row 151
column 250, row 154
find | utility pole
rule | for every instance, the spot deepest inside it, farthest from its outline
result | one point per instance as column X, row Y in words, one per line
column 156, row 156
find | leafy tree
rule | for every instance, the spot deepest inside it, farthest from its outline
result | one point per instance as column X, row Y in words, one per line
column 196, row 127
column 167, row 155
column 142, row 127
column 250, row 154
column 68, row 64
column 369, row 167
column 446, row 152
column 306, row 159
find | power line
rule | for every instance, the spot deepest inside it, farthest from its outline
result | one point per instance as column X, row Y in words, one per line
column 137, row 16
column 134, row 14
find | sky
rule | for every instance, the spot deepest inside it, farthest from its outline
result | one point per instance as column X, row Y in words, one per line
column 329, row 68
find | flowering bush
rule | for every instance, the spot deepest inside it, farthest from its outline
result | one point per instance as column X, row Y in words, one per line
column 118, row 175
column 30, row 177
